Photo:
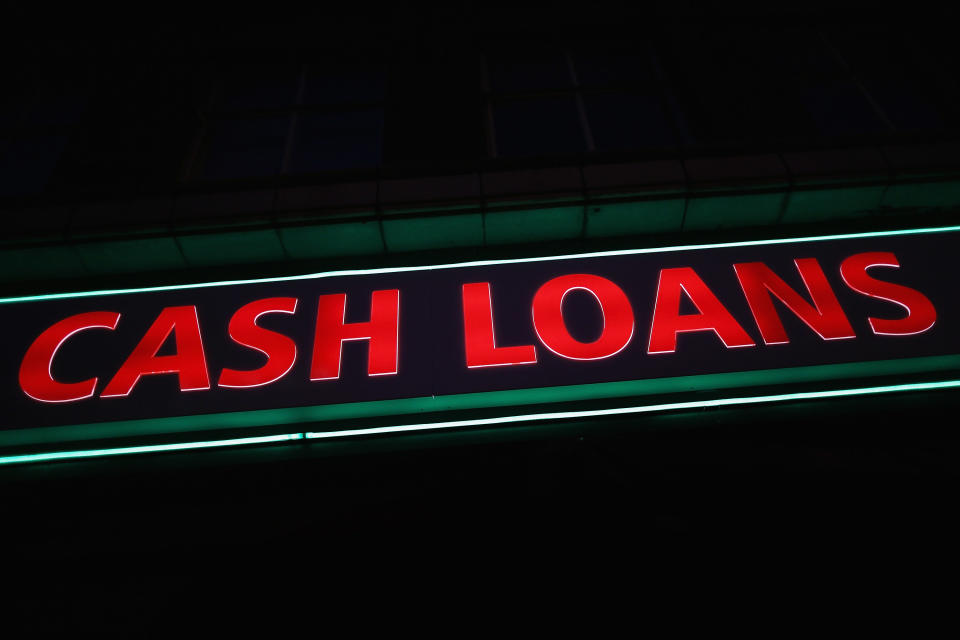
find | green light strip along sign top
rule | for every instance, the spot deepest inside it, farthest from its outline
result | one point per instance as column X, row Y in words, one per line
column 480, row 263
column 842, row 314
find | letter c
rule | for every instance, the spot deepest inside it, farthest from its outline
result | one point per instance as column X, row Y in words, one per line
column 36, row 377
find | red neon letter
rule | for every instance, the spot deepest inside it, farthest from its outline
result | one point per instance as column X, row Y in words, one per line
column 481, row 345
column 280, row 350
column 921, row 314
column 189, row 362
column 332, row 331
column 617, row 317
column 713, row 316
column 826, row 317
column 36, row 377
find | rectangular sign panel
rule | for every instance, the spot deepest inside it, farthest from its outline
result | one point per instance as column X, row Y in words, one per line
column 475, row 328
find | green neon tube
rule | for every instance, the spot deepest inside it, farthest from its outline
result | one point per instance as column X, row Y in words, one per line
column 153, row 448
column 696, row 404
column 459, row 424
column 482, row 263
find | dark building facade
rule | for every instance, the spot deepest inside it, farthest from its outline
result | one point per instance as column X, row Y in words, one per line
column 360, row 140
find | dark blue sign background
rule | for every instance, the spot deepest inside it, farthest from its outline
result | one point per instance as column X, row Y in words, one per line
column 431, row 351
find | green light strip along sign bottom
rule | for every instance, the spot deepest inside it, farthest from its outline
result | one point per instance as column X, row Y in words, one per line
column 460, row 424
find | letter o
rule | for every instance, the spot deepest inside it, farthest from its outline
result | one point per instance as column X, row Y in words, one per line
column 614, row 306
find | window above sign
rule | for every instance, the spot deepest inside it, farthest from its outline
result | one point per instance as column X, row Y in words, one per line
column 268, row 120
column 114, row 126
column 581, row 97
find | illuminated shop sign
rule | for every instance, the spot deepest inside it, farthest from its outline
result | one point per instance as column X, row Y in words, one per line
column 465, row 330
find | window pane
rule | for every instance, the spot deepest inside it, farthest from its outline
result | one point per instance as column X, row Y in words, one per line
column 612, row 68
column 258, row 87
column 538, row 126
column 345, row 140
column 762, row 85
column 245, row 147
column 44, row 96
column 354, row 84
column 26, row 165
column 906, row 106
column 627, row 121
column 825, row 91
column 716, row 85
column 903, row 87
column 840, row 109
column 937, row 55
column 514, row 71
